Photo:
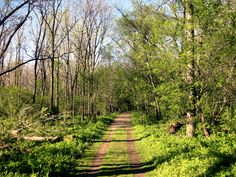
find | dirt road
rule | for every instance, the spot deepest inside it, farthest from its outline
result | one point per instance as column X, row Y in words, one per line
column 117, row 155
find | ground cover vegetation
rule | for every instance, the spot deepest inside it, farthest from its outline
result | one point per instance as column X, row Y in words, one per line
column 165, row 154
column 66, row 65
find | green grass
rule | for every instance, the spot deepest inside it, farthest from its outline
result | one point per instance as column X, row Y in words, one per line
column 162, row 154
column 117, row 159
column 83, row 164
column 51, row 159
column 176, row 155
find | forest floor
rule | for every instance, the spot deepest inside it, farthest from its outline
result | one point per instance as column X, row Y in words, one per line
column 138, row 148
column 116, row 153
column 119, row 146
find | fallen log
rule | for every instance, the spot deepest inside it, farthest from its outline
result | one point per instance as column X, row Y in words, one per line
column 15, row 133
column 41, row 139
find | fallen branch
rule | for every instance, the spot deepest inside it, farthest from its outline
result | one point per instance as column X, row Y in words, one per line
column 15, row 133
column 41, row 139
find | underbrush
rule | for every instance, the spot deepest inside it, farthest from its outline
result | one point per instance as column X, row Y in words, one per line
column 30, row 158
column 12, row 100
column 166, row 155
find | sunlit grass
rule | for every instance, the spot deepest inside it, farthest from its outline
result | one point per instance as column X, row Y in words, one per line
column 117, row 159
column 177, row 155
column 53, row 159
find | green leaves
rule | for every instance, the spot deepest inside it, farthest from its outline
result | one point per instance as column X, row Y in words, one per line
column 182, row 58
column 52, row 159
column 171, row 155
column 12, row 100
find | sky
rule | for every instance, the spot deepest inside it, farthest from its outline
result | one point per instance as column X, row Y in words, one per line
column 122, row 4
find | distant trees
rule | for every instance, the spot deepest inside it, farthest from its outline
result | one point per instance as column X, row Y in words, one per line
column 13, row 17
column 90, row 35
column 64, row 45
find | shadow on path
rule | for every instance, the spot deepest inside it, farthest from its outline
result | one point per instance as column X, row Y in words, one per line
column 124, row 140
column 124, row 169
column 138, row 169
column 117, row 169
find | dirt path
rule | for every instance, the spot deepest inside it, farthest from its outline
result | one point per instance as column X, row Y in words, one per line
column 123, row 122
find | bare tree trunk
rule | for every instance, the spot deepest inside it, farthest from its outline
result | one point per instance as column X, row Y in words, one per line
column 68, row 96
column 157, row 104
column 18, row 72
column 52, row 75
column 37, row 53
column 92, row 96
column 58, row 84
column 53, row 29
column 191, row 114
column 35, row 81
column 44, row 81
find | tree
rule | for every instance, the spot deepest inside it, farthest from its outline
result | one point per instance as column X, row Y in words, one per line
column 189, row 50
column 150, row 50
column 38, row 52
column 91, row 34
column 11, row 21
column 53, row 22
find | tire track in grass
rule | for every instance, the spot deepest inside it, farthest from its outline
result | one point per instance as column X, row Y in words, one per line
column 134, row 158
column 116, row 161
column 98, row 160
column 120, row 146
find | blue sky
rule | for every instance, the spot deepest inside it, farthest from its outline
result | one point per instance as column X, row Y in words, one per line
column 123, row 4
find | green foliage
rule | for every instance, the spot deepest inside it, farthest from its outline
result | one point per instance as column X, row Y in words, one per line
column 12, row 100
column 155, row 68
column 139, row 118
column 48, row 159
column 174, row 71
column 52, row 159
column 176, row 155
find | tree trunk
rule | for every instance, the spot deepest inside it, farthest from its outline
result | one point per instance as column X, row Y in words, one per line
column 205, row 130
column 35, row 80
column 58, row 84
column 44, row 81
column 191, row 114
column 190, row 126
column 52, row 81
